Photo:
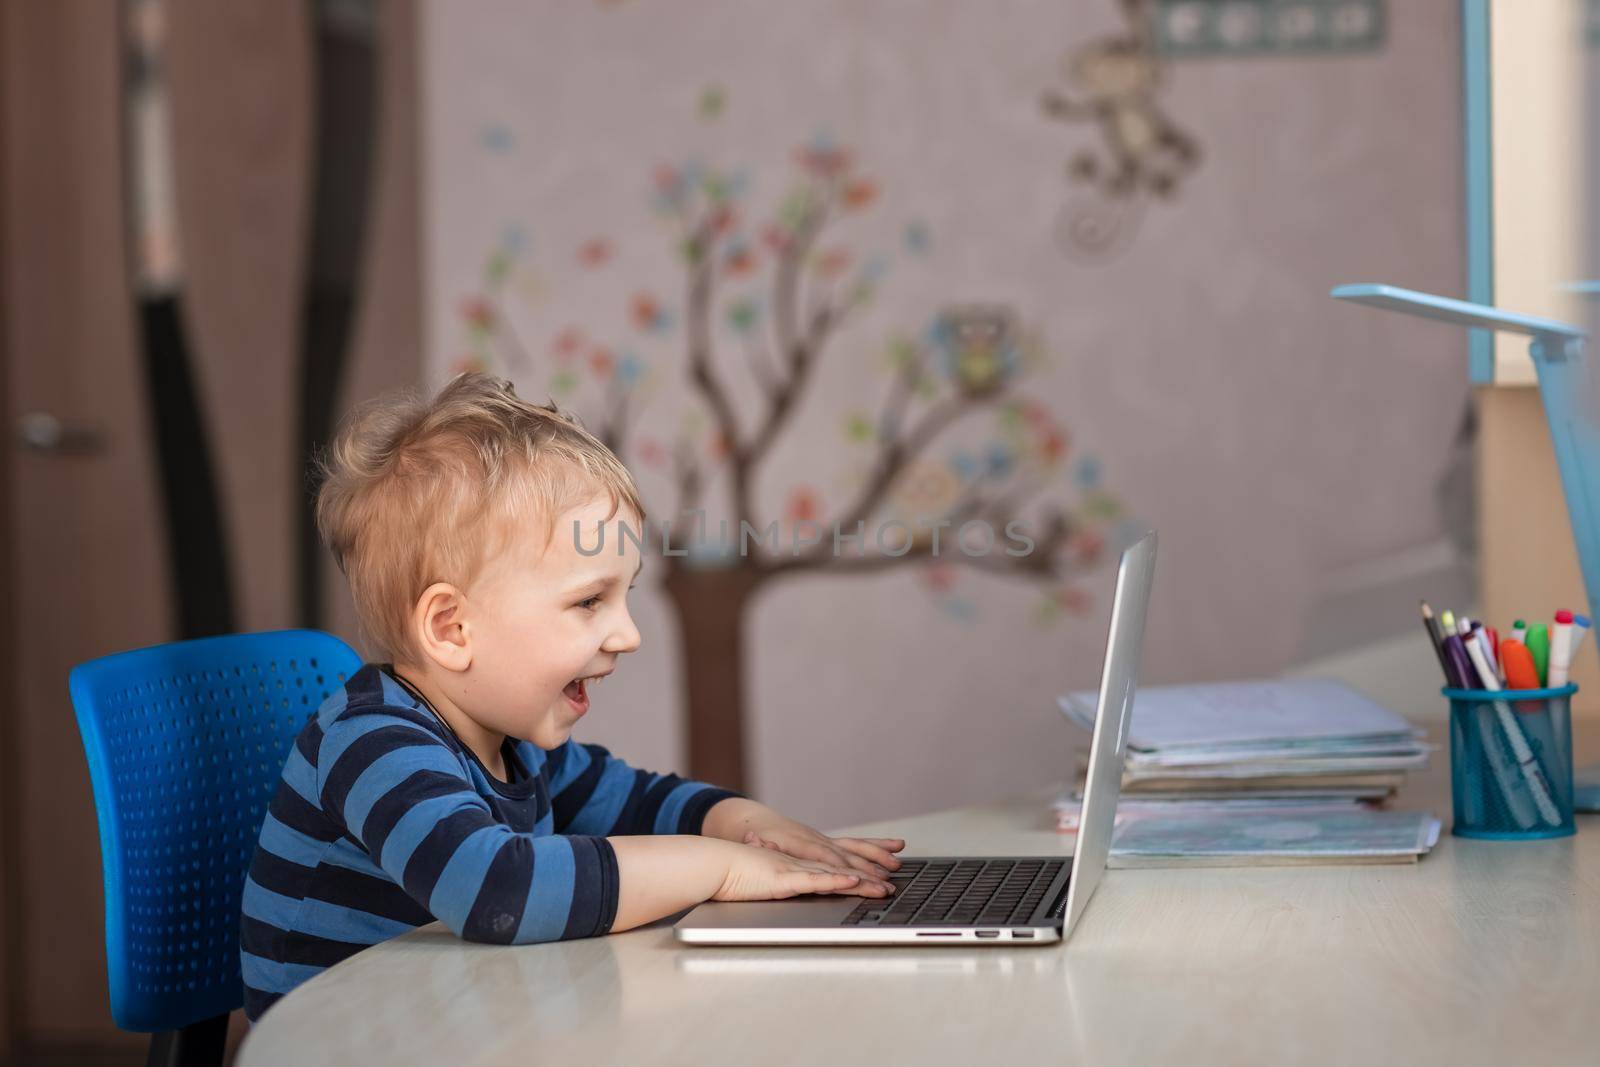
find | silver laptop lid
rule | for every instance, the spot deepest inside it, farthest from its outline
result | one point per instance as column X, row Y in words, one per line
column 1118, row 678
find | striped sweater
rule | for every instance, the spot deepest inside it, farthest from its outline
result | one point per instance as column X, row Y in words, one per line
column 384, row 821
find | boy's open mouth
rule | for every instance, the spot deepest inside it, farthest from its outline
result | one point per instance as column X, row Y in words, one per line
column 577, row 690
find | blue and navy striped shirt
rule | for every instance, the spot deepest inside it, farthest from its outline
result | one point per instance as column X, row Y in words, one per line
column 384, row 822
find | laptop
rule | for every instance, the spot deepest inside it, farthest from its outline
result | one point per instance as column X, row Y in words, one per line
column 944, row 899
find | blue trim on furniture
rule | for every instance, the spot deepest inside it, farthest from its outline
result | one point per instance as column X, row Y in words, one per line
column 1477, row 141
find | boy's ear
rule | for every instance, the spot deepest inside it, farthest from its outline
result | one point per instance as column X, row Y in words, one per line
column 440, row 624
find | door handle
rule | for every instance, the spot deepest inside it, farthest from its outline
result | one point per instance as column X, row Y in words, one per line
column 40, row 431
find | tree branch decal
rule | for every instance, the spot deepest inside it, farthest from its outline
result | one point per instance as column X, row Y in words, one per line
column 779, row 292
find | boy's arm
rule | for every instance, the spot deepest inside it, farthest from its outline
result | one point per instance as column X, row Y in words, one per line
column 400, row 792
column 594, row 792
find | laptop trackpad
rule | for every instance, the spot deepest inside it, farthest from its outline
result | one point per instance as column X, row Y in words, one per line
column 804, row 911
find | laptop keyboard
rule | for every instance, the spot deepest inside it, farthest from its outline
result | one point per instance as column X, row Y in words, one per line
column 960, row 893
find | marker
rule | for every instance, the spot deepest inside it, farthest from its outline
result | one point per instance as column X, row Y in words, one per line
column 1466, row 676
column 1447, row 621
column 1519, row 630
column 1560, row 649
column 1520, row 672
column 1538, row 642
column 1437, row 640
column 1538, row 785
column 1580, row 630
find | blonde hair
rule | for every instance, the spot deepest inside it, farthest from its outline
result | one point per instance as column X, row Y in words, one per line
column 418, row 491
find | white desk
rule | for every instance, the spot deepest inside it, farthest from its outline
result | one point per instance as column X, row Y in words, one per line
column 1485, row 952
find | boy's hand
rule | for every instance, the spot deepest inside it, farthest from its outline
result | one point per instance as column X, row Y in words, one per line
column 871, row 856
column 739, row 819
column 760, row 874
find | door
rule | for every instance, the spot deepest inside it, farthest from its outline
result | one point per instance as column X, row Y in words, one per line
column 85, row 538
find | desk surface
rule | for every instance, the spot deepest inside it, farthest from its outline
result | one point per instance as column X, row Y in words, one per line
column 1485, row 952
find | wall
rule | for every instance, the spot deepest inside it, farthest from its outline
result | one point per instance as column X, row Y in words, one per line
column 1271, row 435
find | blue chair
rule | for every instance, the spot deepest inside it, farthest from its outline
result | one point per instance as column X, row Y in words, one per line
column 185, row 743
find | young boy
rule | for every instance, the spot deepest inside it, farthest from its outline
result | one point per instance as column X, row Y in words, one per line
column 442, row 782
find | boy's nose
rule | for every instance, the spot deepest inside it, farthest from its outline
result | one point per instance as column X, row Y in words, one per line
column 625, row 638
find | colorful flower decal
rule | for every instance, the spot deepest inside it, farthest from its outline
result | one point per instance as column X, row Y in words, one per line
column 858, row 194
column 649, row 315
column 713, row 101
column 858, row 427
column 1068, row 600
column 832, row 262
column 775, row 237
column 804, row 505
column 601, row 363
column 916, row 239
column 630, row 370
column 1032, row 433
column 959, row 608
column 567, row 344
column 823, row 158
column 671, row 190
column 497, row 138
column 478, row 314
column 744, row 314
column 965, row 465
column 595, row 253
column 939, row 576
column 468, row 362
column 651, row 453
column 739, row 260
column 1088, row 472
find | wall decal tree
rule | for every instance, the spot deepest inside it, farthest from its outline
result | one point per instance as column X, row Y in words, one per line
column 779, row 289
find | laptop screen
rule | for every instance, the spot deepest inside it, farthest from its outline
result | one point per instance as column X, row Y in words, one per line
column 1118, row 679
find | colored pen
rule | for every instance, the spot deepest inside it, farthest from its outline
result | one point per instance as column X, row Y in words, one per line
column 1580, row 630
column 1538, row 642
column 1538, row 785
column 1560, row 649
column 1447, row 621
column 1436, row 639
column 1519, row 630
column 1480, row 634
column 1466, row 676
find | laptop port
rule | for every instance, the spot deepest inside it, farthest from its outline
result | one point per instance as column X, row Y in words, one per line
column 988, row 933
column 1022, row 933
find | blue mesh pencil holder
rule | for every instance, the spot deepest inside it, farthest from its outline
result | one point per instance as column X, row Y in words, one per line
column 1511, row 762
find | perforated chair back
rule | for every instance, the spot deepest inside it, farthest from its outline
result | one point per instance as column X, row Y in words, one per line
column 186, row 744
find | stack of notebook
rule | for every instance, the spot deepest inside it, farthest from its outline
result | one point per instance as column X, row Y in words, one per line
column 1260, row 773
column 1264, row 740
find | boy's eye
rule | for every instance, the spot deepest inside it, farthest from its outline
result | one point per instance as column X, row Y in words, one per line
column 590, row 603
